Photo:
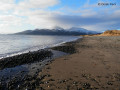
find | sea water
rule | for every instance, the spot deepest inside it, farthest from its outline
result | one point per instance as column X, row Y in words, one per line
column 16, row 44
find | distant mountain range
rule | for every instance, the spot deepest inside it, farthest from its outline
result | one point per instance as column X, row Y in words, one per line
column 58, row 31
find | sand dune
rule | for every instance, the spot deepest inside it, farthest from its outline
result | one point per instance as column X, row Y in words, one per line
column 107, row 33
column 111, row 33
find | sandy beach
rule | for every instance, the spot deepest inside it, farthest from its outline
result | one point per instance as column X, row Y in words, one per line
column 95, row 65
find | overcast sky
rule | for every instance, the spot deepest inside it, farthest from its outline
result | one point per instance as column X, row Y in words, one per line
column 20, row 15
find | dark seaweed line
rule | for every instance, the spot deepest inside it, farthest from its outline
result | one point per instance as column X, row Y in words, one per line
column 69, row 47
column 25, row 58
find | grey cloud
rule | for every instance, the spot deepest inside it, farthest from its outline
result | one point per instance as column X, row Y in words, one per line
column 107, row 21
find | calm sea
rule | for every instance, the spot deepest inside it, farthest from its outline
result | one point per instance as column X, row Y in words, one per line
column 17, row 44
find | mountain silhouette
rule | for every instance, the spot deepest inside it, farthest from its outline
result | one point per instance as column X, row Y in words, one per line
column 58, row 31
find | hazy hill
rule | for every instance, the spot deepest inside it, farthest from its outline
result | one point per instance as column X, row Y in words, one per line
column 57, row 31
column 82, row 30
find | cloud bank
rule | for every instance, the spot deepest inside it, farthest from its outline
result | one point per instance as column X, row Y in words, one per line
column 19, row 15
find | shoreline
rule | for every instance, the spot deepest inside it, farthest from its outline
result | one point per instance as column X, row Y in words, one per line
column 9, row 64
column 92, row 64
column 36, row 48
column 47, row 53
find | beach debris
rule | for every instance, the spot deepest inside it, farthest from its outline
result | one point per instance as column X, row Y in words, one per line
column 86, row 85
column 74, row 83
column 87, row 76
column 110, row 83
column 51, row 80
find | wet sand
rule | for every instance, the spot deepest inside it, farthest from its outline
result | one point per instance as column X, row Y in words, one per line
column 95, row 65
